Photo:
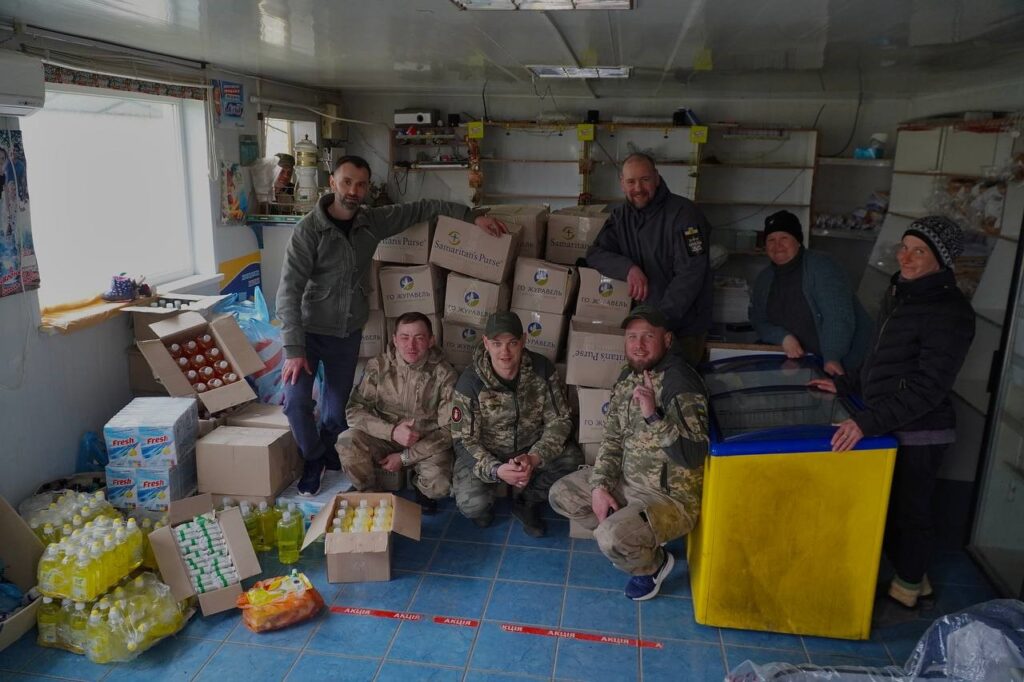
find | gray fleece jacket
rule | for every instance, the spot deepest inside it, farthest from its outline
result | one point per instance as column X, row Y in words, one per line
column 325, row 279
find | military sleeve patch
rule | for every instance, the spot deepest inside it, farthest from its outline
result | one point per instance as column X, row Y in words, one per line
column 694, row 241
column 456, row 414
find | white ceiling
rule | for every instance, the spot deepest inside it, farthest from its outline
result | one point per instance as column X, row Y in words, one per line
column 877, row 46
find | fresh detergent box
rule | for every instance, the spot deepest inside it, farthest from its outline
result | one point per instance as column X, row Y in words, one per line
column 121, row 486
column 152, row 432
column 156, row 487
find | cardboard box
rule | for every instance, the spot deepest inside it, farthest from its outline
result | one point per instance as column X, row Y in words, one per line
column 411, row 289
column 543, row 286
column 258, row 415
column 460, row 342
column 596, row 354
column 464, row 247
column 235, row 460
column 229, row 338
column 362, row 557
column 141, row 379
column 333, row 483
column 374, row 342
column 411, row 247
column 20, row 551
column 544, row 332
column 373, row 296
column 571, row 231
column 154, row 309
column 173, row 569
column 435, row 324
column 529, row 221
column 471, row 301
column 593, row 409
column 152, row 432
column 590, row 451
column 602, row 298
column 208, row 425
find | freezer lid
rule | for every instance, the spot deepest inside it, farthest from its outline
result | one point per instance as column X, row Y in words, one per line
column 774, row 412
column 754, row 371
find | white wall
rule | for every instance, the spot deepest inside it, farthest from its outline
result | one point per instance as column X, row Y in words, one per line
column 52, row 390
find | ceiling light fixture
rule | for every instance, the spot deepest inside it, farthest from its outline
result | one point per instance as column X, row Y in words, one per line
column 542, row 5
column 558, row 71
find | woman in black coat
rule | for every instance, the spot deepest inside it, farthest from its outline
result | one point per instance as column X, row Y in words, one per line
column 925, row 328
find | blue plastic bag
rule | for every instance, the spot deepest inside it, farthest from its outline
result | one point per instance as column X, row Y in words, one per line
column 254, row 319
column 92, row 453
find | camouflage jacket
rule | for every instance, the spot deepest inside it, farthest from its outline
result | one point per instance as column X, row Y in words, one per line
column 493, row 423
column 667, row 455
column 392, row 390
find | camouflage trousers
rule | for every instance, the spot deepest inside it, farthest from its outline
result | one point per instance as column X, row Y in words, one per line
column 360, row 453
column 475, row 497
column 632, row 536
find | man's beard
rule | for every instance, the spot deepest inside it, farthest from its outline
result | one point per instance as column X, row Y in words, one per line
column 349, row 203
column 641, row 365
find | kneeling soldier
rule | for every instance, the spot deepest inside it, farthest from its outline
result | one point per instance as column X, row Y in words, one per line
column 510, row 423
column 398, row 415
column 645, row 486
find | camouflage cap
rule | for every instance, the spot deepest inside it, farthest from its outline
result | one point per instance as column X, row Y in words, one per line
column 648, row 313
column 503, row 323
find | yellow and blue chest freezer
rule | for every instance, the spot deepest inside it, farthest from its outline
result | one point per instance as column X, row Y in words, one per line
column 790, row 533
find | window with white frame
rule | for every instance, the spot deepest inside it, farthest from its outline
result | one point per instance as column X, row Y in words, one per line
column 108, row 175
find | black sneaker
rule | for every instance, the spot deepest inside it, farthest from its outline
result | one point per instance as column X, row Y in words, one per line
column 429, row 506
column 312, row 475
column 529, row 515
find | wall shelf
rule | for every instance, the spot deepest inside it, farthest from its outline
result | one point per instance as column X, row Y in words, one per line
column 484, row 159
column 857, row 235
column 766, row 166
column 855, row 163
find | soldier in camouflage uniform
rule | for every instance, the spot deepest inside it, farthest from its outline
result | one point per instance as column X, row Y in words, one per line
column 398, row 415
column 645, row 486
column 510, row 423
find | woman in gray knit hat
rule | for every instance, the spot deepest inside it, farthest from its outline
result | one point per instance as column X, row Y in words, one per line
column 925, row 328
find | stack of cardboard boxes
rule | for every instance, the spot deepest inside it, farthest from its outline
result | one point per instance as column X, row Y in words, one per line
column 455, row 270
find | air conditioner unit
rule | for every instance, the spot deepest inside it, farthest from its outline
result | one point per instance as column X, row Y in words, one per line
column 22, row 88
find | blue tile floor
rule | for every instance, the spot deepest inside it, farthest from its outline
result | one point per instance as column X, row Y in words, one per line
column 498, row 579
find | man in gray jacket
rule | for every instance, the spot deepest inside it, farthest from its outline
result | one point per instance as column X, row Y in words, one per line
column 322, row 302
column 658, row 243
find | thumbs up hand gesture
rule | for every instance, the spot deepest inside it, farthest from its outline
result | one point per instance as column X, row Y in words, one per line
column 403, row 433
column 644, row 396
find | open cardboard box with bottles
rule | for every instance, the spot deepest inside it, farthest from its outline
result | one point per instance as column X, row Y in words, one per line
column 355, row 557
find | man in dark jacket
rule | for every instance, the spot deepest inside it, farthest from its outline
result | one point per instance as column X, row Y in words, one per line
column 658, row 243
column 322, row 302
column 925, row 329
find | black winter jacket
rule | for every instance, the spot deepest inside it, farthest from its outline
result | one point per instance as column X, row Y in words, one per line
column 925, row 329
column 668, row 239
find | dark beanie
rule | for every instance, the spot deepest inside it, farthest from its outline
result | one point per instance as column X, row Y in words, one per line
column 942, row 235
column 784, row 221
